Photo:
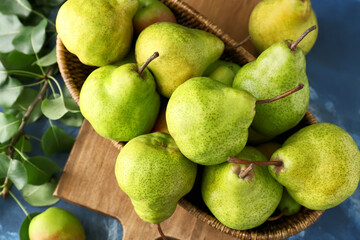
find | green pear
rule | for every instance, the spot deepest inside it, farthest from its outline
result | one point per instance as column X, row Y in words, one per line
column 56, row 223
column 288, row 206
column 120, row 102
column 151, row 170
column 223, row 74
column 233, row 66
column 150, row 12
column 255, row 138
column 320, row 166
column 241, row 201
column 97, row 32
column 272, row 21
column 184, row 53
column 279, row 68
column 208, row 120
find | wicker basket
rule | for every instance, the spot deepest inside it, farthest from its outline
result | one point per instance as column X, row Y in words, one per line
column 74, row 74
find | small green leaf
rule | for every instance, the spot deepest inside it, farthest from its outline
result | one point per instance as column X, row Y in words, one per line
column 40, row 169
column 53, row 108
column 56, row 140
column 21, row 8
column 23, row 144
column 24, row 229
column 40, row 195
column 10, row 92
column 9, row 124
column 71, row 105
column 17, row 173
column 48, row 60
column 4, row 165
column 72, row 119
column 3, row 75
column 27, row 96
column 30, row 39
column 9, row 27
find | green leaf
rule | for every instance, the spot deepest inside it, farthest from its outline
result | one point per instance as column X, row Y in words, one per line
column 21, row 8
column 27, row 96
column 40, row 169
column 3, row 75
column 9, row 27
column 48, row 60
column 72, row 119
column 23, row 144
column 71, row 105
column 53, row 108
column 10, row 92
column 52, row 3
column 30, row 39
column 24, row 229
column 40, row 195
column 17, row 173
column 4, row 165
column 9, row 124
column 56, row 140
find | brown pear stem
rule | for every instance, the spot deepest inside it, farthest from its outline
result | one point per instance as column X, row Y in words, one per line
column 161, row 232
column 285, row 94
column 244, row 173
column 247, row 38
column 155, row 55
column 276, row 217
column 294, row 44
column 242, row 161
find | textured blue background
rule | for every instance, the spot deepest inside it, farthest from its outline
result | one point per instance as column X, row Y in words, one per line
column 333, row 68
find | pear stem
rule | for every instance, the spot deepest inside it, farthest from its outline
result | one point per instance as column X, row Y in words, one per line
column 294, row 44
column 244, row 173
column 161, row 232
column 276, row 217
column 155, row 55
column 242, row 161
column 285, row 94
column 247, row 38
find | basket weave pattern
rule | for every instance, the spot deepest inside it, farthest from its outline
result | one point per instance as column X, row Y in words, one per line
column 74, row 74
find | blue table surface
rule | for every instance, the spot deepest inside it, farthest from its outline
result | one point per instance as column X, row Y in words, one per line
column 333, row 68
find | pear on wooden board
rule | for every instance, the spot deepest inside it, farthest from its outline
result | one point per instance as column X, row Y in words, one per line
column 272, row 21
column 151, row 170
column 91, row 29
column 320, row 166
column 279, row 68
column 184, row 53
column 120, row 102
column 241, row 201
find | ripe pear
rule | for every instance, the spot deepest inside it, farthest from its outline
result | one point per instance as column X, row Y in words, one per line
column 97, row 32
column 211, row 68
column 279, row 68
column 320, row 166
column 120, row 102
column 151, row 170
column 241, row 201
column 288, row 206
column 56, row 223
column 208, row 120
column 223, row 74
column 184, row 53
column 272, row 21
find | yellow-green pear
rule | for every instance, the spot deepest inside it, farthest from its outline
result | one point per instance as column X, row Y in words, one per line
column 184, row 53
column 273, row 21
column 97, row 32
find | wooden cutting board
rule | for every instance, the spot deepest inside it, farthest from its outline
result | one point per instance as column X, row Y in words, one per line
column 88, row 179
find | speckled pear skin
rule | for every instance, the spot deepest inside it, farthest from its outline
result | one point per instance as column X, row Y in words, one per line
column 295, row 17
column 321, row 164
column 276, row 71
column 151, row 170
column 119, row 103
column 184, row 53
column 288, row 206
column 208, row 120
column 223, row 74
column 237, row 203
column 97, row 32
column 56, row 223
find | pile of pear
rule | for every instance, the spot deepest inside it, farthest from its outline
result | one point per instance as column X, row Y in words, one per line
column 214, row 109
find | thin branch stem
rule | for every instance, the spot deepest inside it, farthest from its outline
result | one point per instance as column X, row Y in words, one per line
column 152, row 57
column 285, row 94
column 22, row 73
column 35, row 12
column 276, row 217
column 294, row 44
column 20, row 205
column 28, row 85
column 161, row 232
column 244, row 173
column 58, row 85
column 243, row 161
